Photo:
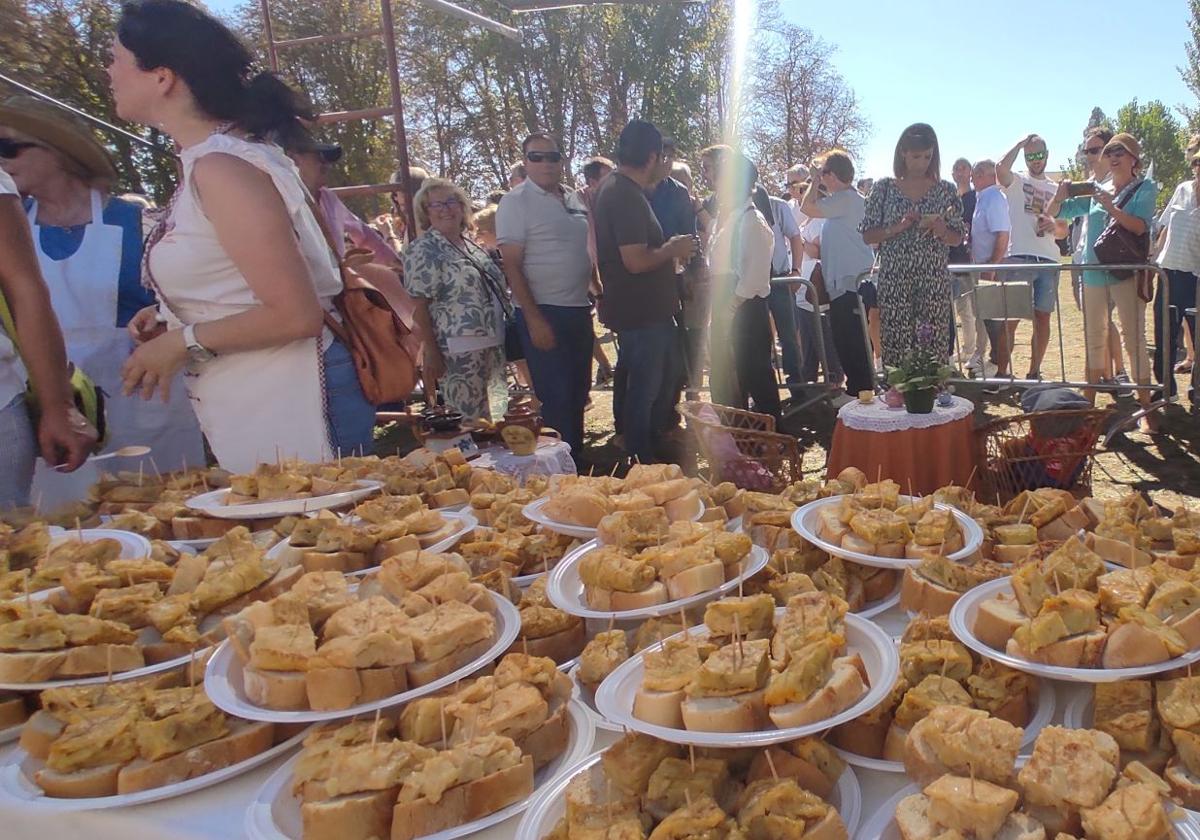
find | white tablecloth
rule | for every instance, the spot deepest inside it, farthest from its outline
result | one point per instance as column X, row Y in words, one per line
column 877, row 416
column 217, row 813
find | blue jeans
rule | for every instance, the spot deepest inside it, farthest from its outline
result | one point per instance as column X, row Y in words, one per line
column 18, row 449
column 648, row 355
column 351, row 417
column 562, row 376
column 783, row 312
column 1182, row 285
column 1043, row 281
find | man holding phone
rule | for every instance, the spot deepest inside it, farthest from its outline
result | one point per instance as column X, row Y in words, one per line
column 1033, row 233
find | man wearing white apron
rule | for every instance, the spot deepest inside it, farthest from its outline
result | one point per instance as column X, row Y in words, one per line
column 84, row 291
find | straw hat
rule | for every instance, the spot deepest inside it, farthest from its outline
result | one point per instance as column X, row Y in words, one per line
column 59, row 130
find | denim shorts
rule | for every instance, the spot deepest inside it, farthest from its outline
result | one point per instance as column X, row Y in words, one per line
column 351, row 417
column 1042, row 281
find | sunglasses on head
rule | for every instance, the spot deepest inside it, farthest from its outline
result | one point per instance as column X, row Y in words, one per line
column 1093, row 150
column 1036, row 156
column 539, row 157
column 10, row 148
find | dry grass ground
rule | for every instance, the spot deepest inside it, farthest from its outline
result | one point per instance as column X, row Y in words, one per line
column 1166, row 465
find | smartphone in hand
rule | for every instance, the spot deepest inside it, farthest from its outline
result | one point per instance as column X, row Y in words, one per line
column 1081, row 188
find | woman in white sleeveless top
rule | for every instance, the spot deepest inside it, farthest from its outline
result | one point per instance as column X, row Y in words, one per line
column 243, row 273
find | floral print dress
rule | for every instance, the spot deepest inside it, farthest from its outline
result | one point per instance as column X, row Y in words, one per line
column 463, row 289
column 914, row 283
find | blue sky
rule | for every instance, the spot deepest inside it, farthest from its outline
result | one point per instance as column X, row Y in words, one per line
column 984, row 75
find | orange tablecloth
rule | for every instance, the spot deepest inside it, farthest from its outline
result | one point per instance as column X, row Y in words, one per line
column 925, row 458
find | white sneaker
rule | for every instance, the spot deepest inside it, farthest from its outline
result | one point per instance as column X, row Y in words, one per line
column 989, row 369
column 975, row 363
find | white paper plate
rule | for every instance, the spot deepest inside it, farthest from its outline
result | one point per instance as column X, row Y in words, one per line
column 18, row 789
column 133, row 546
column 962, row 623
column 466, row 524
column 533, row 512
column 12, row 733
column 275, row 813
column 223, row 678
column 806, row 519
column 565, row 589
column 1042, row 715
column 614, row 698
column 874, row 608
column 213, row 503
column 882, row 824
column 549, row 806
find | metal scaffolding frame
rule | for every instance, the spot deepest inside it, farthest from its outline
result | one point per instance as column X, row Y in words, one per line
column 395, row 109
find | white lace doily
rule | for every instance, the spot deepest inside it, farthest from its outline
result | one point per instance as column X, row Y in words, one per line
column 878, row 417
column 550, row 458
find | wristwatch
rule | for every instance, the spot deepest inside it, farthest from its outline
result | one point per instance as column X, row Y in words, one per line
column 197, row 352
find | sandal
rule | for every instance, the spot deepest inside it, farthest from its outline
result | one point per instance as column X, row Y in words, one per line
column 1184, row 367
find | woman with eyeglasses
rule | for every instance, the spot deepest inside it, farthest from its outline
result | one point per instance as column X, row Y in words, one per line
column 461, row 299
column 1179, row 254
column 89, row 249
column 243, row 272
column 1127, row 198
column 914, row 218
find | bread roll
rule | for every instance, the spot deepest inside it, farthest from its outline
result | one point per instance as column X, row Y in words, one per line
column 997, row 620
column 359, row 815
column 844, row 688
column 740, row 713
column 245, row 740
column 695, row 580
column 81, row 784
column 662, row 708
column 463, row 803
column 1131, row 645
column 280, row 690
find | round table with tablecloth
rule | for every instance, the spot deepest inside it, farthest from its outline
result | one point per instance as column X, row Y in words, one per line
column 921, row 451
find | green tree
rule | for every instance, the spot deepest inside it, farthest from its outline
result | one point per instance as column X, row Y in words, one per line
column 801, row 105
column 61, row 48
column 1190, row 72
column 1162, row 141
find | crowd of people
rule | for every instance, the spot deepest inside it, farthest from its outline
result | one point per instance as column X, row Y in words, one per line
column 209, row 320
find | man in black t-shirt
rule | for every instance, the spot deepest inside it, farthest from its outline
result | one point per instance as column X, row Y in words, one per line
column 641, row 296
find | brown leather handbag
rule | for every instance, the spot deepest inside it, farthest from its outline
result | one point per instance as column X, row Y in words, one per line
column 369, row 328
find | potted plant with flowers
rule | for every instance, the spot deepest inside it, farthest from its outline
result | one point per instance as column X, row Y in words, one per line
column 921, row 372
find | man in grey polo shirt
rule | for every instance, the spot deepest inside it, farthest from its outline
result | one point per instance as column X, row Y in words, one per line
column 542, row 229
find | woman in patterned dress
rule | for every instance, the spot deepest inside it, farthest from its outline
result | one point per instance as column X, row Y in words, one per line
column 914, row 218
column 461, row 299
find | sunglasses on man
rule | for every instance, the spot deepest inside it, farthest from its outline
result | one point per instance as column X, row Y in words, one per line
column 547, row 157
column 1036, row 156
column 1092, row 151
column 10, row 148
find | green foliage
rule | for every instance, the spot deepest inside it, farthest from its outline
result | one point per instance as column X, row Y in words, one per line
column 1190, row 72
column 921, row 365
column 61, row 48
column 1162, row 140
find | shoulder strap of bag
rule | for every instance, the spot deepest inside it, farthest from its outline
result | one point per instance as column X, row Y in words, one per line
column 1128, row 192
column 492, row 284
column 10, row 326
column 335, row 326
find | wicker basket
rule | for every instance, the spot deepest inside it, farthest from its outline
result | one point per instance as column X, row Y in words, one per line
column 743, row 447
column 1040, row 449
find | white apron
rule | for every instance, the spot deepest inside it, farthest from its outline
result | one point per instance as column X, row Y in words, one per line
column 83, row 293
